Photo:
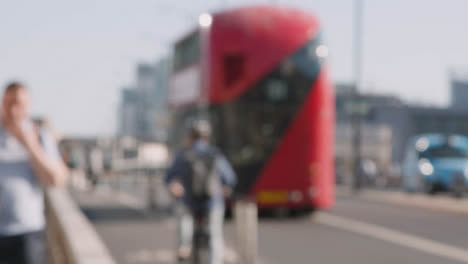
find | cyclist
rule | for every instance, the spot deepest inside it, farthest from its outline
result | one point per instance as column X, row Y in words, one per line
column 215, row 180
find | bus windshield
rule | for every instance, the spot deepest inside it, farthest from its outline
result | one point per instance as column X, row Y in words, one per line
column 267, row 108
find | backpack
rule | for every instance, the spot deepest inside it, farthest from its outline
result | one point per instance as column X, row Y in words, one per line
column 203, row 180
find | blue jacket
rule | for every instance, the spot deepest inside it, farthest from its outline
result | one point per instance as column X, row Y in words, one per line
column 178, row 171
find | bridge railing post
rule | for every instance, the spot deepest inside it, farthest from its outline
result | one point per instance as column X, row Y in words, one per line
column 246, row 219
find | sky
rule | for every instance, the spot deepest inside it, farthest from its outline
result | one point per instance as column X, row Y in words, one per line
column 75, row 56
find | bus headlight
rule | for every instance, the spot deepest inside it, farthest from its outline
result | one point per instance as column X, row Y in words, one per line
column 425, row 167
column 296, row 196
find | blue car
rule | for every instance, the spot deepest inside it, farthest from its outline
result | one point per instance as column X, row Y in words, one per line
column 436, row 162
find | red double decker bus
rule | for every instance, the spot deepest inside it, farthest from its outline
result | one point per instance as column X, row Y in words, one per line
column 258, row 74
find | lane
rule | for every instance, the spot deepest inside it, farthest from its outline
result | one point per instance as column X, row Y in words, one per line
column 436, row 232
column 395, row 237
column 303, row 241
column 449, row 228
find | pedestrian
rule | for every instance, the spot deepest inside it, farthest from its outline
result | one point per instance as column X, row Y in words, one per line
column 29, row 162
column 95, row 165
column 200, row 178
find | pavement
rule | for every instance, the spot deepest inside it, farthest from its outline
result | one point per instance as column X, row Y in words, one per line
column 373, row 227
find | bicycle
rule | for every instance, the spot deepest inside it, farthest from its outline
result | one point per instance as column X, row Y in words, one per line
column 201, row 239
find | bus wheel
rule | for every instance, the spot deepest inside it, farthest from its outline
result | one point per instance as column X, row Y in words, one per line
column 281, row 213
column 300, row 212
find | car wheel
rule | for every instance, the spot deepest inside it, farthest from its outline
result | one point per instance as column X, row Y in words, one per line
column 458, row 187
column 428, row 187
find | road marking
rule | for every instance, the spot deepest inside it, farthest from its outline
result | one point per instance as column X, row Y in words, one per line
column 167, row 256
column 410, row 241
column 415, row 200
column 150, row 256
column 441, row 204
column 230, row 255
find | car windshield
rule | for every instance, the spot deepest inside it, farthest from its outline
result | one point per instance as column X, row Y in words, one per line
column 445, row 152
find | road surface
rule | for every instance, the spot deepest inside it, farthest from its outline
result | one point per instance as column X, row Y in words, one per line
column 357, row 230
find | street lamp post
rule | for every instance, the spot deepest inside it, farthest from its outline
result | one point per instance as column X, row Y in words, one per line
column 356, row 115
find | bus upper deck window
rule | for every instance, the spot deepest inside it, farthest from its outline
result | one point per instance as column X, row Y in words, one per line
column 233, row 68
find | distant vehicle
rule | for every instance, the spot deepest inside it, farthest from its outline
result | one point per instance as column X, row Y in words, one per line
column 436, row 162
column 258, row 74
